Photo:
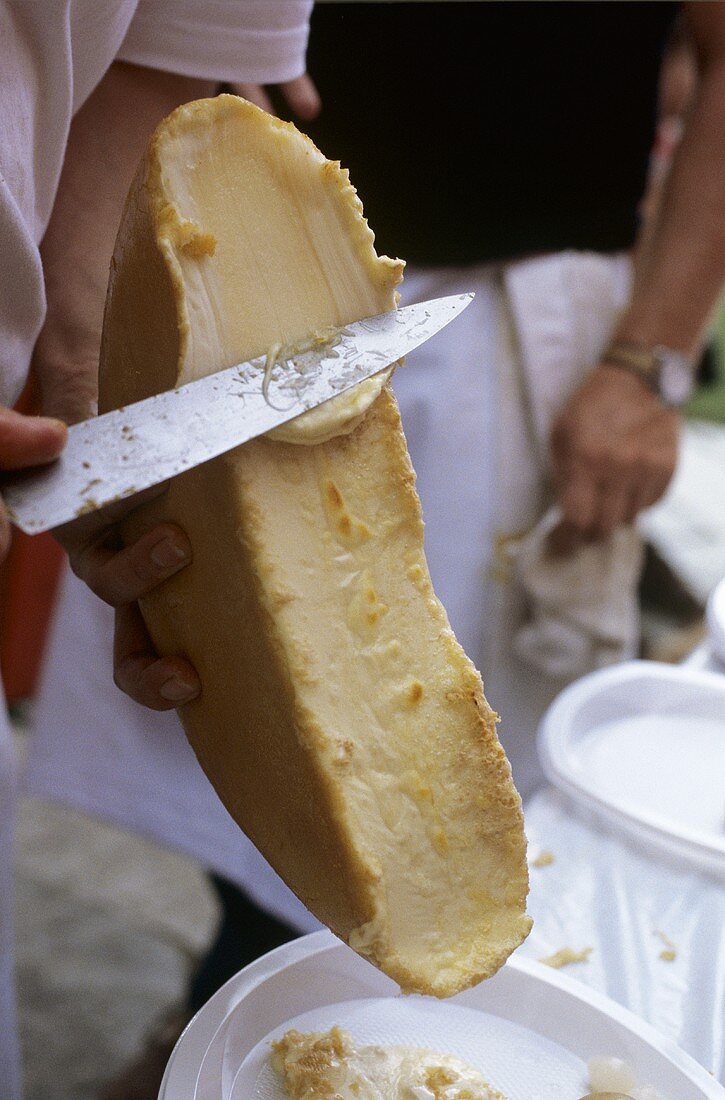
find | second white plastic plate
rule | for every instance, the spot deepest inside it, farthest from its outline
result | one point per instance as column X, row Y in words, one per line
column 644, row 743
column 716, row 622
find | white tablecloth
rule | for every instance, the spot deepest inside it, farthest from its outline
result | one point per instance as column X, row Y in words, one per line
column 605, row 892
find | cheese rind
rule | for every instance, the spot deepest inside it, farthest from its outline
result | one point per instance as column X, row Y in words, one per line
column 340, row 722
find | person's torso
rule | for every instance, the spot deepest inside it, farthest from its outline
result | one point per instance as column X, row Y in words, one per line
column 479, row 131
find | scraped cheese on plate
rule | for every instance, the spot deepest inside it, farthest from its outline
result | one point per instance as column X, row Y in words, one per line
column 329, row 1064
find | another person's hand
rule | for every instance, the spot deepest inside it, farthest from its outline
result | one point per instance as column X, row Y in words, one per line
column 300, row 94
column 613, row 451
column 26, row 441
column 121, row 576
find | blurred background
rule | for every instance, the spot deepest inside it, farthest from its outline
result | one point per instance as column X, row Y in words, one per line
column 110, row 925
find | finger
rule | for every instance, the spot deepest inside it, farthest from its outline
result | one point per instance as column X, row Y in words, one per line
column 613, row 507
column 562, row 540
column 653, row 481
column 29, row 440
column 302, row 96
column 92, row 525
column 4, row 533
column 160, row 683
column 256, row 94
column 645, row 492
column 577, row 496
column 635, row 504
column 121, row 576
column 648, row 493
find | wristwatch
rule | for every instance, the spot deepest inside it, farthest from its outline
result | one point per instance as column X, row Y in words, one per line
column 670, row 374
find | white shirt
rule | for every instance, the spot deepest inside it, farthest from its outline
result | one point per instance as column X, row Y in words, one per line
column 52, row 55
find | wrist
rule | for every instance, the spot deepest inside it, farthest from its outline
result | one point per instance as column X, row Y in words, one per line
column 652, row 322
column 627, row 378
column 667, row 373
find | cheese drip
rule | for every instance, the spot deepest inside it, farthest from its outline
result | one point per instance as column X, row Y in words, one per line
column 287, row 247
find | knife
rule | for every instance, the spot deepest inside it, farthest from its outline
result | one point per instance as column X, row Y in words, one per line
column 116, row 455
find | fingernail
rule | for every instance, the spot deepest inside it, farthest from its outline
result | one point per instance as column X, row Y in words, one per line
column 177, row 691
column 167, row 554
column 59, row 424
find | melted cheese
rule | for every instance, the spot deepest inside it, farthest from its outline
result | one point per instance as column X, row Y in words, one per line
column 319, row 1065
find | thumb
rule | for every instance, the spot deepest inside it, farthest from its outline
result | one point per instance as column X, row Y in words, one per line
column 29, row 440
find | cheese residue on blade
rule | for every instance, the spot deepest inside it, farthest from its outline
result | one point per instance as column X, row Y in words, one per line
column 328, row 1064
column 338, row 416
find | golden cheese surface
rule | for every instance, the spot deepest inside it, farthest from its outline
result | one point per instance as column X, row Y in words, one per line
column 340, row 721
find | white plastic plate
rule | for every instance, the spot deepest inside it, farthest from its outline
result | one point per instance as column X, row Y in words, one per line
column 207, row 1082
column 200, row 1044
column 716, row 621
column 307, row 976
column 644, row 743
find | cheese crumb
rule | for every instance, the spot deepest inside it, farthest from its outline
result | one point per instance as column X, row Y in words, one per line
column 193, row 241
column 669, row 951
column 566, row 956
column 610, row 1075
column 544, row 859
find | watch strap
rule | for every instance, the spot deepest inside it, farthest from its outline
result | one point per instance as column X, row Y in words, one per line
column 637, row 358
column 669, row 374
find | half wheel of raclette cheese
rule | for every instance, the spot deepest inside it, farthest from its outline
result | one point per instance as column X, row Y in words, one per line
column 340, row 722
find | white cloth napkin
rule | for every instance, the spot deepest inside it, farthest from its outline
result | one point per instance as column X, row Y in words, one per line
column 581, row 614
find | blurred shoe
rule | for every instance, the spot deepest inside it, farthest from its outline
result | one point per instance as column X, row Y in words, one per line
column 141, row 1078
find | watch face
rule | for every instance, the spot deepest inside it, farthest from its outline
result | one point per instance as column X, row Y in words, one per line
column 676, row 382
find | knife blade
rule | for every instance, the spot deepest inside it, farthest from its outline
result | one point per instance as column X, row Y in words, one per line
column 117, row 455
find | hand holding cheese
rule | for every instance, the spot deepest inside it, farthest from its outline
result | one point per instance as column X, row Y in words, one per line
column 120, row 575
column 339, row 720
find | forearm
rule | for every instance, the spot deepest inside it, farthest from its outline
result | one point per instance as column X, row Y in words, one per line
column 106, row 142
column 681, row 276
